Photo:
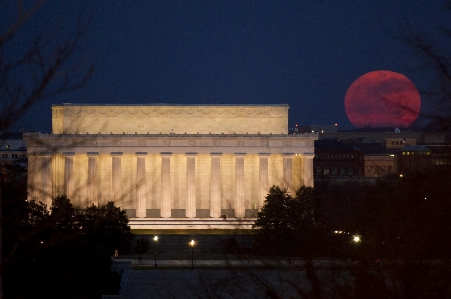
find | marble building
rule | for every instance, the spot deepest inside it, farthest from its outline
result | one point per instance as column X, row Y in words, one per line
column 169, row 166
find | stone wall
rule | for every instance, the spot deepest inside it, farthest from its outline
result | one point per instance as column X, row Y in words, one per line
column 156, row 119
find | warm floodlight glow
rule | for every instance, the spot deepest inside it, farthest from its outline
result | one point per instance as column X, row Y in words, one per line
column 356, row 239
column 155, row 238
column 192, row 243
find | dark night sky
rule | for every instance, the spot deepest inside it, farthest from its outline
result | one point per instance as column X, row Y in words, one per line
column 302, row 53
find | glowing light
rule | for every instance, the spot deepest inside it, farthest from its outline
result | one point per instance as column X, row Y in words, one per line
column 356, row 239
column 155, row 238
column 192, row 243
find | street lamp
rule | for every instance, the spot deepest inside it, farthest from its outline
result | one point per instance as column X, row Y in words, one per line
column 155, row 239
column 192, row 243
column 356, row 239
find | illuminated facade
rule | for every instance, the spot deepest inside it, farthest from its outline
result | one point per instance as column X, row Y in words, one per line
column 170, row 167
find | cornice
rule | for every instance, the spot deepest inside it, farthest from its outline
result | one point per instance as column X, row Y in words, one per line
column 172, row 140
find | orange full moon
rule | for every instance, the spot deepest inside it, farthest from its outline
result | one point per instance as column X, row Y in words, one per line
column 382, row 99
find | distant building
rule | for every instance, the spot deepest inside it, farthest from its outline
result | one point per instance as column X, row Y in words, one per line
column 314, row 129
column 423, row 158
column 384, row 154
column 13, row 157
column 12, row 149
column 379, row 160
column 389, row 139
column 337, row 161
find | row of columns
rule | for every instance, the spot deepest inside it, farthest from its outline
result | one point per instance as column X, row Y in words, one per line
column 166, row 196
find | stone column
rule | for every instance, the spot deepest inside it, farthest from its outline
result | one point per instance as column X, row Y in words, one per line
column 191, row 185
column 141, row 183
column 116, row 178
column 93, row 182
column 166, row 198
column 308, row 169
column 288, row 171
column 239, row 184
column 32, row 176
column 263, row 178
column 69, row 174
column 215, row 188
column 46, row 178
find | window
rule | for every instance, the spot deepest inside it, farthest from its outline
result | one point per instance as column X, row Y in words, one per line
column 5, row 156
column 334, row 171
column 326, row 171
column 342, row 171
column 318, row 171
column 14, row 156
column 350, row 171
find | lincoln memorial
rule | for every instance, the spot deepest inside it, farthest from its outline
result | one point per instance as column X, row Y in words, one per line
column 170, row 166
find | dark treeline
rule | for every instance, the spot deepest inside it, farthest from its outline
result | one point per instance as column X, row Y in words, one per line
column 64, row 252
column 393, row 236
column 397, row 217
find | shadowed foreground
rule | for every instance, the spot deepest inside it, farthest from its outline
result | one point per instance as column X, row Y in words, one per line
column 279, row 279
column 223, row 279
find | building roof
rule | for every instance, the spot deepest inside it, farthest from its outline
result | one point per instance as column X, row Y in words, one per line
column 372, row 148
column 335, row 145
column 170, row 105
column 414, row 148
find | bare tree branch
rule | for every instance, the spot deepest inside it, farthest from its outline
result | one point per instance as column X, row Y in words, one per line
column 52, row 65
column 435, row 60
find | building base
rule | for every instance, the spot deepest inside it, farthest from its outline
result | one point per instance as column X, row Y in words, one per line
column 190, row 224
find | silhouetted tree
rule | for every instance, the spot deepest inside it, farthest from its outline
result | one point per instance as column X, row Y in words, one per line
column 46, row 65
column 64, row 253
column 285, row 223
column 435, row 62
column 63, row 215
column 107, row 226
